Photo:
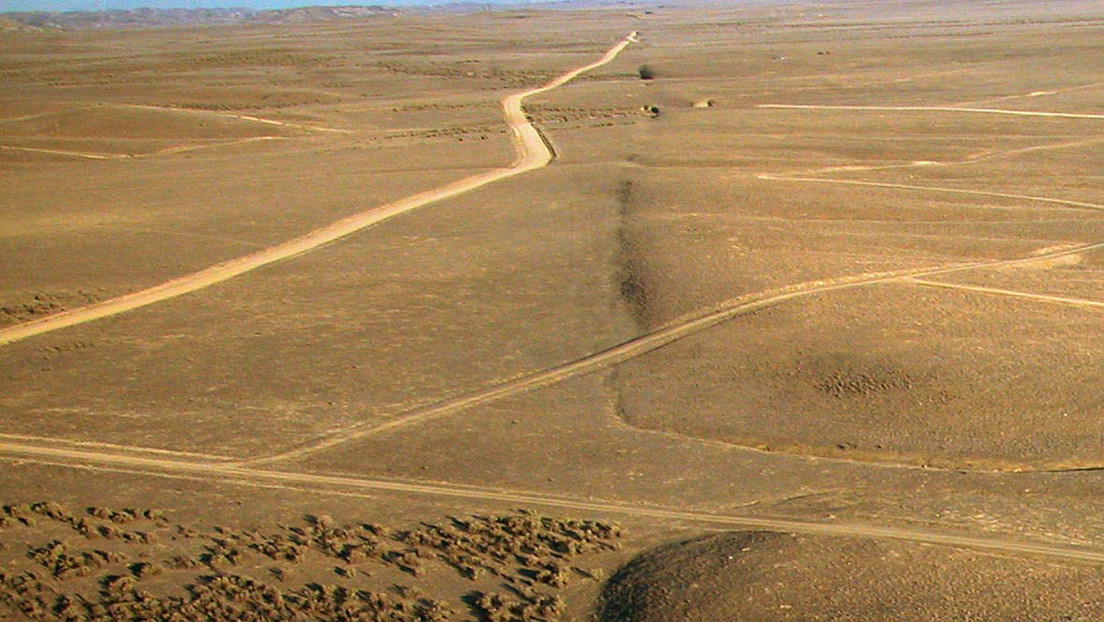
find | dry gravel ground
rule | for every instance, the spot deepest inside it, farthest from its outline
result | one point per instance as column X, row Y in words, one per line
column 837, row 393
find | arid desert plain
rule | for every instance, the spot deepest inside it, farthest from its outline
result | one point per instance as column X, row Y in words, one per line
column 748, row 311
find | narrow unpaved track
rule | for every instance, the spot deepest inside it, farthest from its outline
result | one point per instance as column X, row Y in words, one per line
column 1018, row 113
column 1029, row 95
column 532, row 153
column 969, row 160
column 1077, row 302
column 130, row 450
column 983, row 193
column 356, row 486
column 87, row 155
column 92, row 155
column 639, row 346
column 800, row 176
column 244, row 117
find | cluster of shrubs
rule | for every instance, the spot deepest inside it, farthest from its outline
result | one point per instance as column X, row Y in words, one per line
column 44, row 304
column 222, row 598
column 544, row 113
column 26, row 515
column 448, row 70
column 495, row 607
column 858, row 384
column 350, row 544
column 541, row 544
column 478, row 131
column 56, row 558
column 532, row 556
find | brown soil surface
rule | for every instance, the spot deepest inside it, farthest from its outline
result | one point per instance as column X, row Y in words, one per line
column 890, row 386
column 787, row 312
column 765, row 576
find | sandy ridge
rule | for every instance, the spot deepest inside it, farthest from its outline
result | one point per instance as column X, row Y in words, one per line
column 532, row 153
column 680, row 328
column 354, row 485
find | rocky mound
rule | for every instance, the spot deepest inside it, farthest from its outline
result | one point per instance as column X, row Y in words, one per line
column 764, row 576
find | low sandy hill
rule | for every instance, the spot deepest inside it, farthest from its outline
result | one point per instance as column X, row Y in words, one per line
column 775, row 577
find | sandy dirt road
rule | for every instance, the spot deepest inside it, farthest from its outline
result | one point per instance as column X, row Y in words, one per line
column 532, row 153
column 356, row 486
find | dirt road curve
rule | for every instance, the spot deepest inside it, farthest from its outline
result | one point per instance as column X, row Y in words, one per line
column 674, row 331
column 1018, row 113
column 364, row 486
column 532, row 153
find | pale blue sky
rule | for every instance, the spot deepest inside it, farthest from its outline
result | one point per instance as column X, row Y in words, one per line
column 99, row 5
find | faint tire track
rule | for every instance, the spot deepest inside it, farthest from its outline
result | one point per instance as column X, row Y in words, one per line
column 242, row 117
column 638, row 346
column 984, row 193
column 42, row 441
column 91, row 155
column 532, row 153
column 999, row 111
column 969, row 160
column 1076, row 302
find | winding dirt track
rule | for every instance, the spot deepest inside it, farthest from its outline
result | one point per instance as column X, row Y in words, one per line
column 678, row 329
column 532, row 153
column 363, row 486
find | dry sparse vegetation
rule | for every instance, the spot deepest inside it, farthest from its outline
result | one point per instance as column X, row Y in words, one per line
column 529, row 555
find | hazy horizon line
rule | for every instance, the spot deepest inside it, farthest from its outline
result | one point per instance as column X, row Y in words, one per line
column 68, row 6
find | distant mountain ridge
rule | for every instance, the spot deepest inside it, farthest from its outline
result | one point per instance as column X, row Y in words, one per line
column 153, row 18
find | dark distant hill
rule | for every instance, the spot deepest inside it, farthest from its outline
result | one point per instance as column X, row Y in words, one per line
column 154, row 18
